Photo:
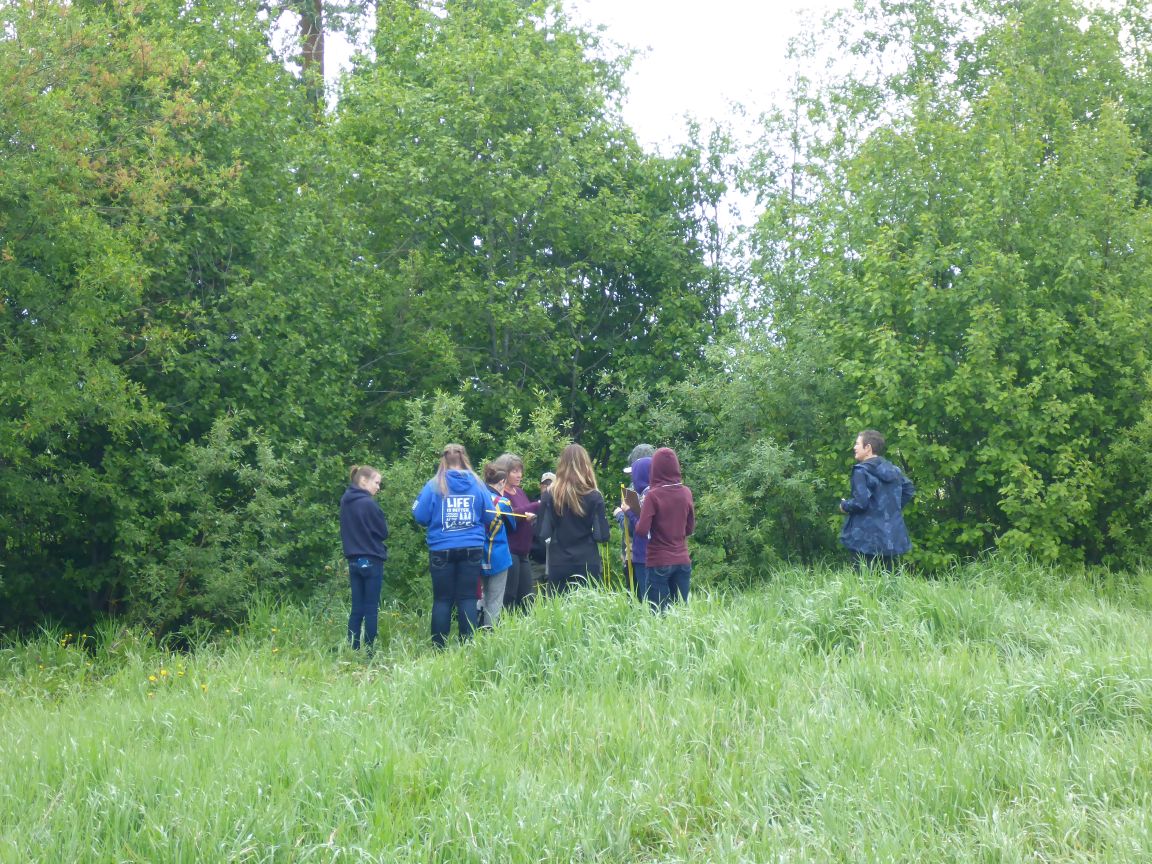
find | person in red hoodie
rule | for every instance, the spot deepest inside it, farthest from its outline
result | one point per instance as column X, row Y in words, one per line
column 667, row 517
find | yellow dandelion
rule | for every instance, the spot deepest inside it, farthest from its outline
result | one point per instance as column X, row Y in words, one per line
column 163, row 673
column 152, row 678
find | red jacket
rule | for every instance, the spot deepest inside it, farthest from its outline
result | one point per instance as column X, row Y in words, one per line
column 668, row 515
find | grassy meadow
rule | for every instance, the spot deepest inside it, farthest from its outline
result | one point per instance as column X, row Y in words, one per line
column 1001, row 715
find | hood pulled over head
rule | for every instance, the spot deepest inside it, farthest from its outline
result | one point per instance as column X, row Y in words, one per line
column 641, row 473
column 665, row 467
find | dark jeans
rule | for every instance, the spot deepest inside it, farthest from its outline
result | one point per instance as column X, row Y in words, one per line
column 668, row 584
column 456, row 575
column 559, row 583
column 366, row 576
column 640, row 580
column 521, row 586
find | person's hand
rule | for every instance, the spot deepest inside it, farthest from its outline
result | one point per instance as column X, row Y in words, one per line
column 619, row 511
column 531, row 517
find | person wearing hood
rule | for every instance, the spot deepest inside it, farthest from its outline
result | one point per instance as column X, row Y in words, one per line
column 363, row 530
column 454, row 508
column 640, row 471
column 667, row 518
column 874, row 529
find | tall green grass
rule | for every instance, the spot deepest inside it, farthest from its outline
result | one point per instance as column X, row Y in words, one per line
column 827, row 717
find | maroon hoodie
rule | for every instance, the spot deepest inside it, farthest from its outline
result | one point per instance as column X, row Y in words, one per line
column 667, row 516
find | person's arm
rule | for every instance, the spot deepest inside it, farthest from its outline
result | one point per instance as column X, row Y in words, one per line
column 907, row 492
column 600, row 528
column 380, row 522
column 506, row 511
column 861, row 494
column 647, row 514
column 544, row 527
column 424, row 507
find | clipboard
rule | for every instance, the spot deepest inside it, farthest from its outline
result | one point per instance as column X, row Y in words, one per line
column 632, row 500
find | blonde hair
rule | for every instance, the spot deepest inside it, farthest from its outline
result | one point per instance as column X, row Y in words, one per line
column 575, row 478
column 361, row 472
column 454, row 456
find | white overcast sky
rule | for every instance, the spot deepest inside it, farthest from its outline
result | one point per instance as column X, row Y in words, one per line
column 699, row 55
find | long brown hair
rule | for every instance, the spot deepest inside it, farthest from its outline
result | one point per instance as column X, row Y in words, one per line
column 575, row 478
column 454, row 456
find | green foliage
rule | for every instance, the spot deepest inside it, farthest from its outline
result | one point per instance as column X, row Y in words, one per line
column 219, row 526
column 523, row 240
column 738, row 426
column 974, row 262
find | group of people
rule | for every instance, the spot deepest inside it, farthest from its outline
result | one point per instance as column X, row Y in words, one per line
column 483, row 532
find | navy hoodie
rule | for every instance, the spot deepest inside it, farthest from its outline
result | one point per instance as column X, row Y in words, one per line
column 668, row 514
column 363, row 528
column 875, row 523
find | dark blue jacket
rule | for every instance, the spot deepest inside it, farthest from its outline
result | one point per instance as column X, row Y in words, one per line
column 875, row 523
column 363, row 528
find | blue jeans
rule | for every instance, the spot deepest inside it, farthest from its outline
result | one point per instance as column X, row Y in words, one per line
column 640, row 578
column 456, row 575
column 366, row 576
column 668, row 584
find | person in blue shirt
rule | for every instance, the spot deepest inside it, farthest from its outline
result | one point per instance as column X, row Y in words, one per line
column 363, row 530
column 497, row 555
column 874, row 529
column 453, row 506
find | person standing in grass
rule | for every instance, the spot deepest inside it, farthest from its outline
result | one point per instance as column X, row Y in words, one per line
column 539, row 553
column 363, row 530
column 453, row 506
column 874, row 529
column 497, row 558
column 520, row 586
column 667, row 518
column 640, row 471
column 575, row 523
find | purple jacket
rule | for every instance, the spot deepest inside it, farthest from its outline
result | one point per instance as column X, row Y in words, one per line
column 641, row 469
column 668, row 515
column 520, row 542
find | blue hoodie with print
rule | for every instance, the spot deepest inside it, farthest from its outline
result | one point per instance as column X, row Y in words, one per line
column 455, row 520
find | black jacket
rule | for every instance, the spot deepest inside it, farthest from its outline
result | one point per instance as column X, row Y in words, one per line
column 573, row 549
